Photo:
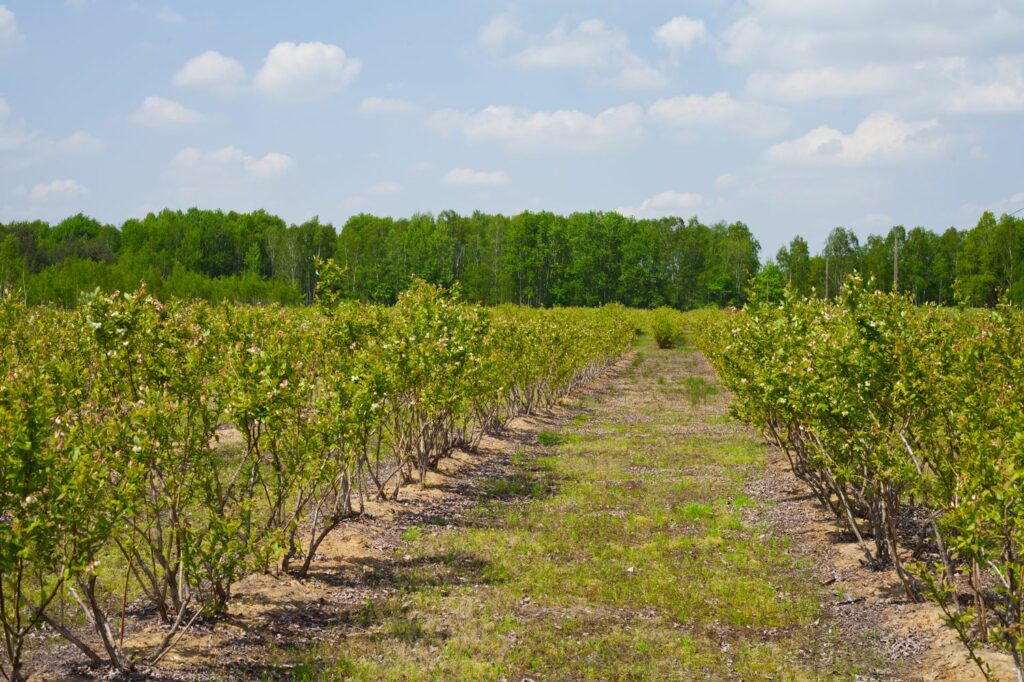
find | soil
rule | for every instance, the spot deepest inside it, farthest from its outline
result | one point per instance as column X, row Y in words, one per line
column 911, row 636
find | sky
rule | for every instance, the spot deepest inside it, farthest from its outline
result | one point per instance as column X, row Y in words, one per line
column 792, row 116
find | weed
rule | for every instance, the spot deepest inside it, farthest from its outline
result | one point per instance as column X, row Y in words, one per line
column 698, row 390
column 412, row 533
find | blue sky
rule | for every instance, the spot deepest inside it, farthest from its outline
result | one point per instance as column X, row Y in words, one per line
column 792, row 116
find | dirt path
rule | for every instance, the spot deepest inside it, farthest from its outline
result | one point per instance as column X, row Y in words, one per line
column 636, row 532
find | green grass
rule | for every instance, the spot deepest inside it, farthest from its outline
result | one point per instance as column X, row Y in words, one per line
column 549, row 438
column 412, row 533
column 639, row 565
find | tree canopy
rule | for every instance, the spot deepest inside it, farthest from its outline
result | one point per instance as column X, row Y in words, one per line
column 531, row 258
column 540, row 259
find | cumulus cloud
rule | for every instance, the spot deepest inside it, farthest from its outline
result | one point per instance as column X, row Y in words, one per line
column 387, row 105
column 57, row 190
column 228, row 165
column 157, row 112
column 295, row 71
column 211, row 70
column 531, row 131
column 498, row 32
column 718, row 110
column 879, row 138
column 680, row 33
column 305, row 70
column 592, row 45
column 468, row 177
column 668, row 203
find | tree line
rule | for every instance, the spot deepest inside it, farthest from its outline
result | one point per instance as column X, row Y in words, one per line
column 973, row 266
column 531, row 258
column 540, row 259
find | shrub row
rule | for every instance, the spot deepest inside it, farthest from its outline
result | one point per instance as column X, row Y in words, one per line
column 118, row 482
column 908, row 423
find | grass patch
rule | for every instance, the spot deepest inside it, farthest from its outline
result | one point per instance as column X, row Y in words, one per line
column 412, row 533
column 638, row 565
column 698, row 390
column 519, row 485
column 549, row 438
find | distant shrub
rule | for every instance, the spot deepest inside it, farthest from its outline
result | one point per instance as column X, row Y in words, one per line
column 665, row 327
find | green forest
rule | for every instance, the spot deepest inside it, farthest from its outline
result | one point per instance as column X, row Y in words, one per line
column 532, row 258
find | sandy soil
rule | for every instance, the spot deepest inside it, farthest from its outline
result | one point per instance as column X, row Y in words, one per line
column 911, row 636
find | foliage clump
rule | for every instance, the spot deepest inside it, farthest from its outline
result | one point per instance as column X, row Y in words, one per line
column 666, row 327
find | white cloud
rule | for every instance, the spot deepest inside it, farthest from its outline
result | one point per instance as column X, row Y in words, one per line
column 305, row 70
column 717, row 110
column 498, row 32
column 668, row 203
column 467, row 177
column 994, row 88
column 8, row 27
column 524, row 130
column 879, row 138
column 639, row 77
column 680, row 33
column 21, row 146
column 296, row 71
column 725, row 181
column 388, row 188
column 169, row 16
column 211, row 70
column 157, row 112
column 57, row 190
column 794, row 33
column 592, row 45
column 825, row 82
column 959, row 85
column 78, row 142
column 387, row 105
column 228, row 165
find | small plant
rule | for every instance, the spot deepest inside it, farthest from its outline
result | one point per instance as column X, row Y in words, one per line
column 698, row 390
column 412, row 533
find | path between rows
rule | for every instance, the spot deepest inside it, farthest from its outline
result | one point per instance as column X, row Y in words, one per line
column 635, row 532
